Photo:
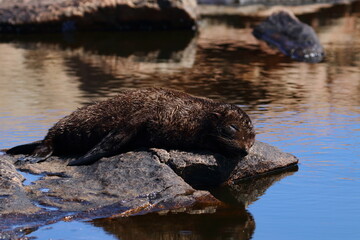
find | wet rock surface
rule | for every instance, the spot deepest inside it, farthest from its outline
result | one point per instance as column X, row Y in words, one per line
column 13, row 197
column 128, row 184
column 83, row 15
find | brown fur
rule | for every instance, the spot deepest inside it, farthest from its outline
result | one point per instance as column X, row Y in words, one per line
column 152, row 117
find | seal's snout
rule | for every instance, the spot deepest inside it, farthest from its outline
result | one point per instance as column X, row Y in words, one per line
column 247, row 150
column 248, row 145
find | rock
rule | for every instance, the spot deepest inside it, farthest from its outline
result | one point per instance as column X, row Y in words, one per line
column 13, row 197
column 263, row 158
column 132, row 183
column 91, row 15
column 134, row 179
column 203, row 170
column 282, row 30
column 126, row 184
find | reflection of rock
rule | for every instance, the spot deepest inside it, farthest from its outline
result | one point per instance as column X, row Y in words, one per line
column 107, row 43
column 115, row 54
column 211, row 224
column 131, row 183
column 247, row 191
column 156, row 61
column 125, row 57
column 72, row 15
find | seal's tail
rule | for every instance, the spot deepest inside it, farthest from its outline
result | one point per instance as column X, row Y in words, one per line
column 23, row 149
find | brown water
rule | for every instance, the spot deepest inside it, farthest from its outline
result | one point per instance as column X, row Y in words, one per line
column 310, row 110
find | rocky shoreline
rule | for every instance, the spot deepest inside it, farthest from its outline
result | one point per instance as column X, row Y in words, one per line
column 128, row 184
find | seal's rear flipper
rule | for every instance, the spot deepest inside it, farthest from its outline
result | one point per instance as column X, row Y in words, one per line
column 42, row 151
column 28, row 148
column 29, row 159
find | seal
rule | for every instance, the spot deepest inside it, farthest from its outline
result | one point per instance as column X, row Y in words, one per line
column 150, row 117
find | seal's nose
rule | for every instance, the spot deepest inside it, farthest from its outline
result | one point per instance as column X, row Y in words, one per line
column 249, row 145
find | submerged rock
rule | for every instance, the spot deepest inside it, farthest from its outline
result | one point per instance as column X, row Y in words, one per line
column 136, row 182
column 282, row 30
column 85, row 15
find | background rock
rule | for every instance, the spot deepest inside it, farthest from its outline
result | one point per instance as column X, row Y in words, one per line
column 71, row 15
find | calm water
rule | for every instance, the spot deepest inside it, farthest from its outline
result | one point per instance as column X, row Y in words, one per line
column 310, row 110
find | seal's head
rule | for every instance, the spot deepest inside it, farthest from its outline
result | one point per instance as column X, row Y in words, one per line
column 233, row 132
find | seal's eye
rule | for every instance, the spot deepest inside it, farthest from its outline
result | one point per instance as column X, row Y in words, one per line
column 230, row 130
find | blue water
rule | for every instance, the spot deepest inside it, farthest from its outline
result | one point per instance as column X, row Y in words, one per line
column 309, row 110
column 71, row 230
column 321, row 200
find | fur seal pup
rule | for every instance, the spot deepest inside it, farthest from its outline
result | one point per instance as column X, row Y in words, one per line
column 151, row 117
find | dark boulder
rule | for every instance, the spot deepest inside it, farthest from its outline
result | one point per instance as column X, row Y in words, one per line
column 282, row 30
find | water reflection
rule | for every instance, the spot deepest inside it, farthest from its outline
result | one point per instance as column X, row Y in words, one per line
column 225, row 224
column 224, row 62
column 247, row 191
column 104, row 61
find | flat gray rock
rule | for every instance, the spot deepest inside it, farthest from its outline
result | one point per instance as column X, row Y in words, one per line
column 263, row 158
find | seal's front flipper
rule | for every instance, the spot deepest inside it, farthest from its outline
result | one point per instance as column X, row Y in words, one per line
column 110, row 145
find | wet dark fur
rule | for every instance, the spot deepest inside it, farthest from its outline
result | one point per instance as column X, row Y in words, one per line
column 292, row 37
column 151, row 117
